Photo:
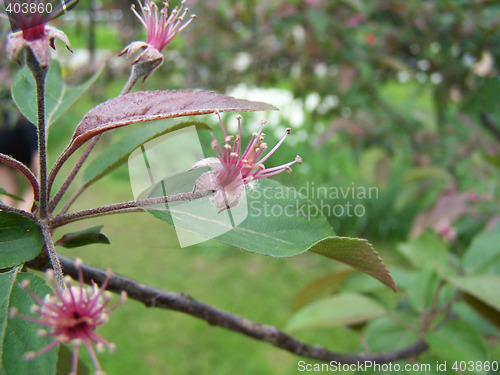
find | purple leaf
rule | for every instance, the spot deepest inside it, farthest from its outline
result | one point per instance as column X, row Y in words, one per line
column 156, row 105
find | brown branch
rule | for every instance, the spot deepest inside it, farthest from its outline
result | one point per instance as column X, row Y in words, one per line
column 181, row 302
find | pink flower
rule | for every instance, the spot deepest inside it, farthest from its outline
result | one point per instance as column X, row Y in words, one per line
column 73, row 315
column 161, row 28
column 446, row 231
column 234, row 167
column 36, row 35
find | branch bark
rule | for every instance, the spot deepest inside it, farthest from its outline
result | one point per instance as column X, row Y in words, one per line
column 153, row 297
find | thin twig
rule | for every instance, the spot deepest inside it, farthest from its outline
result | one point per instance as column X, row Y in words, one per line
column 70, row 149
column 57, row 198
column 61, row 220
column 181, row 302
column 73, row 198
column 11, row 162
column 5, row 208
column 58, row 223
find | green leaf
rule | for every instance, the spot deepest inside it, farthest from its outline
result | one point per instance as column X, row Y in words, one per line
column 283, row 223
column 339, row 310
column 83, row 238
column 387, row 334
column 487, row 96
column 64, row 362
column 492, row 159
column 483, row 252
column 324, row 284
column 266, row 230
column 483, row 287
column 457, row 341
column 427, row 251
column 423, row 289
column 20, row 239
column 357, row 253
column 3, row 192
column 59, row 96
column 19, row 336
column 479, row 315
column 118, row 152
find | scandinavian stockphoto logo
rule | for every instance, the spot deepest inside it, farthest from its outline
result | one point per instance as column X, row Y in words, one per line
column 164, row 167
column 26, row 14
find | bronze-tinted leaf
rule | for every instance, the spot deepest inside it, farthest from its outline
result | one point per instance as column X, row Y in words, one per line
column 155, row 105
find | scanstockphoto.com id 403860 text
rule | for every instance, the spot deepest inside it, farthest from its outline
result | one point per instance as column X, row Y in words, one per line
column 476, row 367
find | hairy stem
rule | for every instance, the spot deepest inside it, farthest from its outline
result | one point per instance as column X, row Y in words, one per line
column 11, row 162
column 132, row 80
column 54, row 260
column 73, row 198
column 60, row 193
column 39, row 74
column 6, row 208
column 181, row 302
column 61, row 220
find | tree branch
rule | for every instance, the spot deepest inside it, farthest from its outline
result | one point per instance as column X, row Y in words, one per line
column 152, row 297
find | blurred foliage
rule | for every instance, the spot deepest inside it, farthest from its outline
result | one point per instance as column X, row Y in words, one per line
column 398, row 95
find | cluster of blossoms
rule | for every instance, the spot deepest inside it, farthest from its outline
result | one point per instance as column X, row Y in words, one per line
column 234, row 166
column 72, row 316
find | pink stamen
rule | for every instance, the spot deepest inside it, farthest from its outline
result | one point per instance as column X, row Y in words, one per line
column 287, row 131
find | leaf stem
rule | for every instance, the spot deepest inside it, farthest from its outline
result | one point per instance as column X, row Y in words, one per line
column 54, row 260
column 6, row 208
column 60, row 193
column 132, row 80
column 11, row 162
column 73, row 198
column 61, row 220
column 40, row 74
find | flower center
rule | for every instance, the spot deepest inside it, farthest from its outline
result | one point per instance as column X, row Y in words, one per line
column 34, row 33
